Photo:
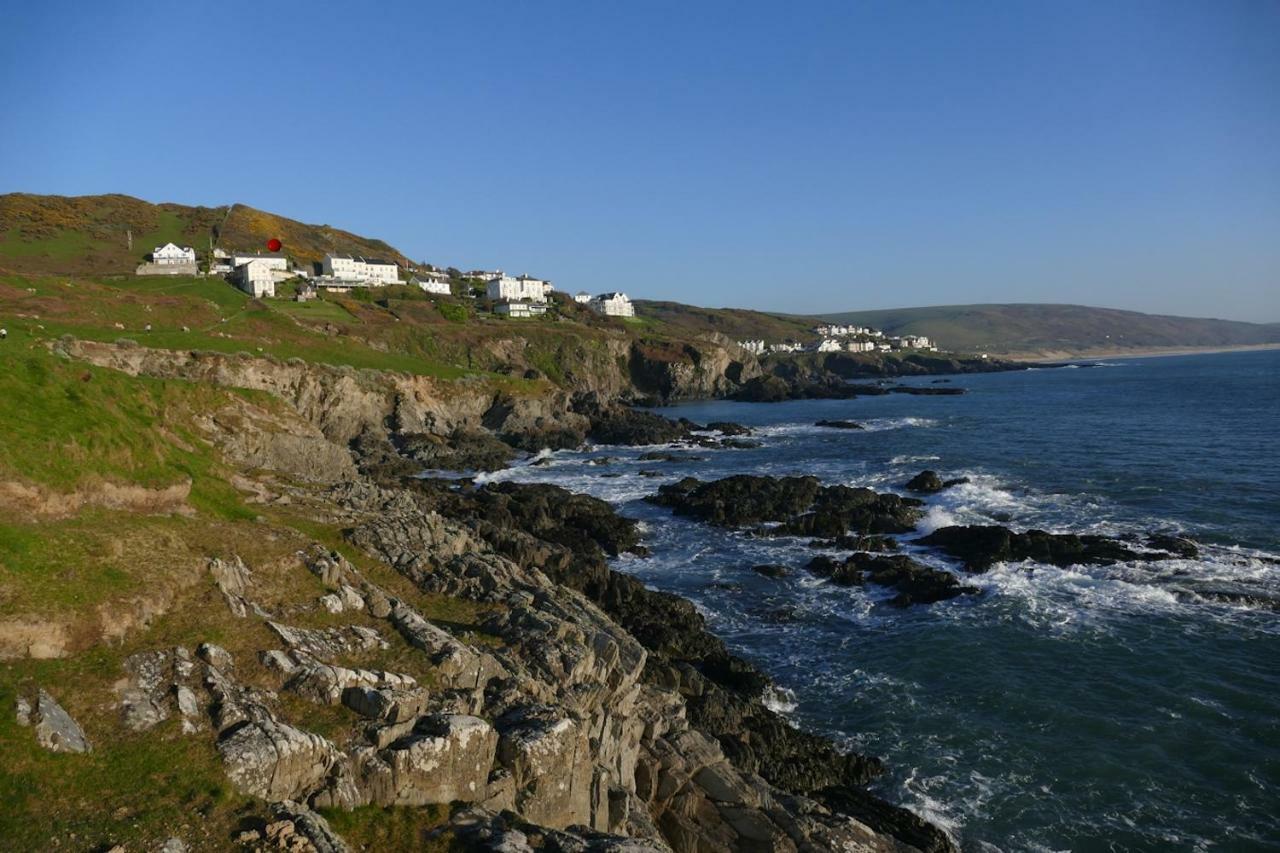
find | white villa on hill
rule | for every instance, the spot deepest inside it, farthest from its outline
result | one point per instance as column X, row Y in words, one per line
column 613, row 305
column 582, row 297
column 256, row 277
column 520, row 308
column 432, row 282
column 523, row 288
column 170, row 253
column 354, row 268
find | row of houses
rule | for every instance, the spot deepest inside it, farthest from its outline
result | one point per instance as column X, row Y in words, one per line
column 258, row 273
column 879, row 343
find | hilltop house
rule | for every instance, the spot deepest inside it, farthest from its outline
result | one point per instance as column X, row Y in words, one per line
column 355, row 268
column 256, row 277
column 582, row 297
column 432, row 282
column 169, row 253
column 523, row 288
column 756, row 347
column 613, row 305
column 860, row 346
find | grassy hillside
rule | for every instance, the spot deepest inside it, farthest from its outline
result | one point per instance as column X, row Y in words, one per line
column 1032, row 328
column 736, row 323
column 88, row 234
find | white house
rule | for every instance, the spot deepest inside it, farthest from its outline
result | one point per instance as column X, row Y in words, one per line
column 371, row 270
column 509, row 289
column 520, row 308
column 755, row 347
column 171, row 254
column 483, row 275
column 613, row 305
column 582, row 297
column 827, row 345
column 432, row 282
column 860, row 346
column 256, row 277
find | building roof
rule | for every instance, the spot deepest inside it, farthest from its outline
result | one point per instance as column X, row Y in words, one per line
column 614, row 296
column 258, row 255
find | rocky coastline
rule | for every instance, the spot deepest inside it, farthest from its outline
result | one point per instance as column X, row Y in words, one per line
column 576, row 709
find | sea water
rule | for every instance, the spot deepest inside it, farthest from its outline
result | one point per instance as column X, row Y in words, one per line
column 1083, row 708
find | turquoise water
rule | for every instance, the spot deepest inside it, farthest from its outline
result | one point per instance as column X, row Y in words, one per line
column 1077, row 709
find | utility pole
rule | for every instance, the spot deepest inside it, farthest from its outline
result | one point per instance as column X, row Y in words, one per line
column 129, row 238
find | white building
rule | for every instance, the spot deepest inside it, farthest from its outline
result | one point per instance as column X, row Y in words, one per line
column 860, row 346
column 371, row 270
column 827, row 345
column 520, row 308
column 432, row 282
column 273, row 261
column 521, row 289
column 582, row 297
column 483, row 275
column 754, row 347
column 613, row 305
column 220, row 262
column 256, row 277
column 171, row 254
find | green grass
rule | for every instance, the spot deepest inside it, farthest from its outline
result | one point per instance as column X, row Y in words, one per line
column 393, row 828
column 135, row 789
column 61, row 246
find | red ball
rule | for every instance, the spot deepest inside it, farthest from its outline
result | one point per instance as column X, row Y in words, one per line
column 274, row 245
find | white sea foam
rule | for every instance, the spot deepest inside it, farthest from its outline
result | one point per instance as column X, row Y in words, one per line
column 780, row 700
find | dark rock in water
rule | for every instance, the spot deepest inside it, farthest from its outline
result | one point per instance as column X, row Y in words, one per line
column 764, row 389
column 611, row 475
column 839, row 424
column 915, row 582
column 800, row 505
column 740, row 444
column 728, row 428
column 940, row 381
column 925, row 481
column 615, row 424
column 928, row 482
column 982, row 546
column 668, row 456
column 771, row 570
column 1179, row 546
column 741, row 499
column 650, row 473
column 692, row 426
column 602, row 460
column 846, row 542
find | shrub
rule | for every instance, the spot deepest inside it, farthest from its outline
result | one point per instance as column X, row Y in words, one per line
column 453, row 312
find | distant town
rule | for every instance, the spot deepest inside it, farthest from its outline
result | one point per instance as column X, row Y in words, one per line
column 835, row 338
column 259, row 273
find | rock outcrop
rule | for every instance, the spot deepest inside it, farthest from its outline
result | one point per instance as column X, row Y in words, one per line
column 55, row 730
column 979, row 547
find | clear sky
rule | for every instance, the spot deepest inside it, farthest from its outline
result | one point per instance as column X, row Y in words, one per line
column 789, row 156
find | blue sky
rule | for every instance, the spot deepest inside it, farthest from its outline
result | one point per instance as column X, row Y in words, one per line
column 790, row 156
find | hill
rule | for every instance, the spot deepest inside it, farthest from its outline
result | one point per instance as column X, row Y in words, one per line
column 736, row 323
column 1025, row 328
column 89, row 234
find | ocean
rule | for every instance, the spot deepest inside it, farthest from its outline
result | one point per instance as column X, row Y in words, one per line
column 1085, row 708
